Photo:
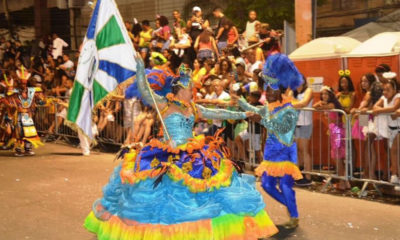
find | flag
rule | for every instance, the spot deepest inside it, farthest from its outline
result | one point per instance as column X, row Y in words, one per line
column 106, row 60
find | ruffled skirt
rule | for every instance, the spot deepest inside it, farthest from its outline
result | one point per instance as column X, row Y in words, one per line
column 189, row 192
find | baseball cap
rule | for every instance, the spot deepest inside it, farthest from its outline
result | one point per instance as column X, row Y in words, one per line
column 240, row 61
column 196, row 8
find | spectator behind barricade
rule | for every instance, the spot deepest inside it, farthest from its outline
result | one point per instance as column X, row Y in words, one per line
column 9, row 51
column 162, row 34
column 195, row 25
column 208, row 66
column 258, row 51
column 50, row 62
column 233, row 34
column 136, row 29
column 48, row 82
column 143, row 125
column 58, row 45
column 21, row 53
column 226, row 72
column 62, row 106
column 145, row 35
column 221, row 98
column 182, row 43
column 129, row 26
column 303, row 132
column 178, row 24
column 380, row 70
column 197, row 74
column 239, row 76
column 205, row 46
column 367, row 133
column 328, row 101
column 252, row 26
column 346, row 95
column 221, row 32
column 390, row 103
column 108, row 125
column 67, row 66
column 253, row 64
column 60, row 90
column 244, row 136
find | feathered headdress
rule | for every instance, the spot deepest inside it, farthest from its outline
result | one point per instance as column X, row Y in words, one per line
column 184, row 80
column 9, row 84
column 280, row 71
column 23, row 75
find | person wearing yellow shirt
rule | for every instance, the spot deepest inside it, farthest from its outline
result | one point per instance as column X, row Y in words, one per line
column 145, row 34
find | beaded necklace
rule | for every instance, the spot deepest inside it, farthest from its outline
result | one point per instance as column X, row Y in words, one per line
column 183, row 105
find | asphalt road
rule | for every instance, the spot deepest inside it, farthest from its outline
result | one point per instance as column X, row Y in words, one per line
column 48, row 196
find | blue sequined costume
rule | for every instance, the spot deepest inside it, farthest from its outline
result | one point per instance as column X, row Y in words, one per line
column 280, row 152
column 279, row 118
column 190, row 191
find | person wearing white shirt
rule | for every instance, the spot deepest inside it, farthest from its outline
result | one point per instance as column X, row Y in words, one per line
column 58, row 45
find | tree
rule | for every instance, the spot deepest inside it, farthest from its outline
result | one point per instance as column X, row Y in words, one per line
column 273, row 12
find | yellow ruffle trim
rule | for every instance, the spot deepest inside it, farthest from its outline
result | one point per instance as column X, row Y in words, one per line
column 279, row 169
column 221, row 179
column 226, row 227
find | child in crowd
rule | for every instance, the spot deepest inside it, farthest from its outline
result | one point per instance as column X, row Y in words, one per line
column 345, row 95
column 244, row 137
column 390, row 103
column 336, row 131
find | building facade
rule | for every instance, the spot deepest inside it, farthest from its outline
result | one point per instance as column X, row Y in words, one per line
column 335, row 17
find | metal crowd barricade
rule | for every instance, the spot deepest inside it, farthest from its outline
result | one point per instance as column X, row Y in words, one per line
column 54, row 113
column 373, row 150
column 330, row 136
column 322, row 163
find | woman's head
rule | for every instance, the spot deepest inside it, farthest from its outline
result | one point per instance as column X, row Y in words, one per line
column 226, row 23
column 366, row 82
column 376, row 91
column 302, row 87
column 163, row 20
column 208, row 64
column 345, row 84
column 252, row 15
column 225, row 65
column 204, row 36
column 380, row 69
column 180, row 91
column 197, row 64
column 328, row 96
column 273, row 95
column 389, row 89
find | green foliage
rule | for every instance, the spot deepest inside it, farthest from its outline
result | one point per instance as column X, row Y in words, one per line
column 273, row 12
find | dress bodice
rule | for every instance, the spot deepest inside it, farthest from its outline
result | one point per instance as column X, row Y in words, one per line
column 179, row 127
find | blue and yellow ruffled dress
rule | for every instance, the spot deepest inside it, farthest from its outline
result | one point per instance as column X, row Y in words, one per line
column 191, row 191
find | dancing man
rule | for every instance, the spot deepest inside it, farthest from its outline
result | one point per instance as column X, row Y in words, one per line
column 280, row 118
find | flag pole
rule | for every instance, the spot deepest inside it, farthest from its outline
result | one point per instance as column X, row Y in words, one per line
column 156, row 106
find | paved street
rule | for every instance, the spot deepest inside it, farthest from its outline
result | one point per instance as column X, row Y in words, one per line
column 48, row 196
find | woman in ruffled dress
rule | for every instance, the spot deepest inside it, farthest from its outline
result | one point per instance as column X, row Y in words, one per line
column 184, row 187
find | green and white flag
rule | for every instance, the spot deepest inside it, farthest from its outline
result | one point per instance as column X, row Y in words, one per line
column 106, row 60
